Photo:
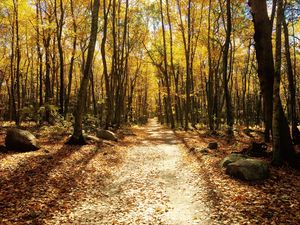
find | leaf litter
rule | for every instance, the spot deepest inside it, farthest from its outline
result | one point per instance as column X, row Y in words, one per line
column 149, row 178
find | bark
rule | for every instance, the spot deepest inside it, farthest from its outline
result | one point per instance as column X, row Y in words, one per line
column 282, row 144
column 187, row 50
column 291, row 84
column 77, row 137
column 39, row 52
column 264, row 56
column 169, row 110
column 59, row 24
column 210, row 93
column 229, row 111
column 108, row 99
column 67, row 100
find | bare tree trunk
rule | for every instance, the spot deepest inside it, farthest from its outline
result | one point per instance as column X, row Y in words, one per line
column 169, row 110
column 264, row 55
column 17, row 106
column 229, row 111
column 77, row 137
column 104, row 62
column 39, row 52
column 67, row 100
column 292, row 92
column 282, row 143
column 59, row 24
column 210, row 89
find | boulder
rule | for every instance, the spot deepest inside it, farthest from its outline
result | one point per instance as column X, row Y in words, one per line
column 212, row 145
column 249, row 169
column 232, row 158
column 256, row 149
column 107, row 135
column 2, row 148
column 203, row 151
column 20, row 140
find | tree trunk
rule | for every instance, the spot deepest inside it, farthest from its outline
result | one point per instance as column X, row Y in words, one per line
column 67, row 100
column 77, row 137
column 108, row 99
column 292, row 92
column 264, row 55
column 282, row 144
column 59, row 24
column 229, row 113
column 169, row 110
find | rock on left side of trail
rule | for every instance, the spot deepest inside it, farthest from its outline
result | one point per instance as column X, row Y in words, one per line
column 107, row 135
column 20, row 140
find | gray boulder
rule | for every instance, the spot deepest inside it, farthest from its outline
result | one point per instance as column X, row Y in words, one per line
column 249, row 169
column 232, row 158
column 107, row 135
column 20, row 140
column 212, row 145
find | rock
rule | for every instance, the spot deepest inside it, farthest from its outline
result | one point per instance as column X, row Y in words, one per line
column 249, row 169
column 2, row 148
column 256, row 149
column 192, row 150
column 248, row 132
column 231, row 159
column 212, row 145
column 203, row 151
column 107, row 135
column 20, row 140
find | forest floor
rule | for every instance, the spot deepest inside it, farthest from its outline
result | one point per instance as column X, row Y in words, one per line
column 149, row 178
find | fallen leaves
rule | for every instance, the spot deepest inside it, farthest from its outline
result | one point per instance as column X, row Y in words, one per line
column 274, row 201
column 144, row 179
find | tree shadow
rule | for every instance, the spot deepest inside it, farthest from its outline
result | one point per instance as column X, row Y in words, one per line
column 34, row 193
column 212, row 192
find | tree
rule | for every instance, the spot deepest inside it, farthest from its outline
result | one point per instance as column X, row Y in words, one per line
column 291, row 85
column 165, row 71
column 77, row 137
column 282, row 144
column 229, row 113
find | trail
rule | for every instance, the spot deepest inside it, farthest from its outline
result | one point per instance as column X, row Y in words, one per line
column 155, row 185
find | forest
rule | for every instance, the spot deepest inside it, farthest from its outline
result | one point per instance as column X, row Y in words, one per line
column 149, row 112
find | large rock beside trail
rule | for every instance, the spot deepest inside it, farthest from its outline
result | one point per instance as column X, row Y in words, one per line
column 20, row 140
column 107, row 135
column 233, row 157
column 212, row 145
column 248, row 169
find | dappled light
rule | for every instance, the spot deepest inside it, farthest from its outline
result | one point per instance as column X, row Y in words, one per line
column 161, row 112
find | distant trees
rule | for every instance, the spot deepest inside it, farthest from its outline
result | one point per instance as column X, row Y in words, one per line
column 47, row 55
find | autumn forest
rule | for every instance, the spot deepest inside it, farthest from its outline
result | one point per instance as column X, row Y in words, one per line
column 119, row 82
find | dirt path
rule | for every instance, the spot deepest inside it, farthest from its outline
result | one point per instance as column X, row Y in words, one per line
column 155, row 185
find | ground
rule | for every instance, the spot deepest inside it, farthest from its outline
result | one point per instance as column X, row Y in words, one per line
column 149, row 178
